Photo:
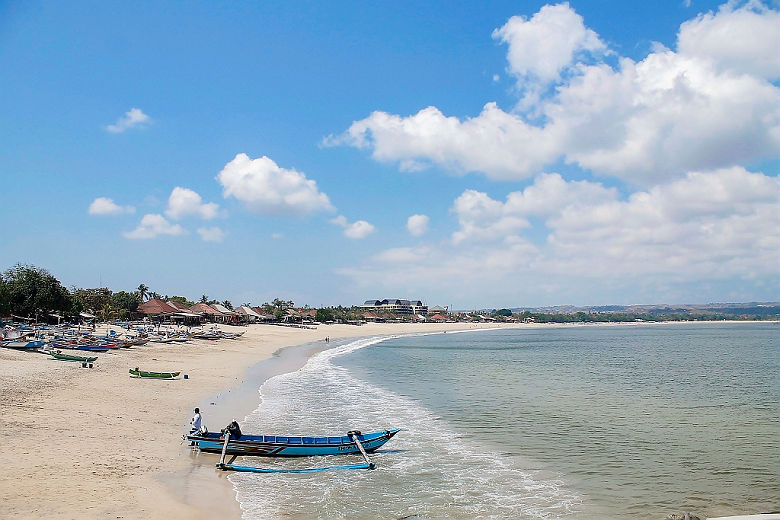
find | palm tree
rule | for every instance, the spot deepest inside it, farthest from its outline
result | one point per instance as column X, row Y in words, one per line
column 204, row 298
column 143, row 291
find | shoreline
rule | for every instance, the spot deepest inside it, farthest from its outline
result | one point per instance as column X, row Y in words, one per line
column 98, row 444
column 95, row 443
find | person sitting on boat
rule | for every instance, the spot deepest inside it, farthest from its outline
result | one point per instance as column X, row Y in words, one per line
column 197, row 422
column 233, row 429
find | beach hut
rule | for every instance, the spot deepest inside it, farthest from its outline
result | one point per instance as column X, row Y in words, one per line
column 207, row 312
column 228, row 316
column 264, row 316
column 155, row 307
column 247, row 314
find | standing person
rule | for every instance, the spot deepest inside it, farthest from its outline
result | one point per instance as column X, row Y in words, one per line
column 197, row 421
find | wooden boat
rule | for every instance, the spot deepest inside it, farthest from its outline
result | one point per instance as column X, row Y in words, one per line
column 22, row 344
column 134, row 372
column 70, row 357
column 94, row 348
column 289, row 446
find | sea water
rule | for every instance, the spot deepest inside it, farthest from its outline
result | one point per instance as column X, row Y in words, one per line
column 634, row 421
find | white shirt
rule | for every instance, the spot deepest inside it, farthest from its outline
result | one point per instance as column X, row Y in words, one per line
column 196, row 422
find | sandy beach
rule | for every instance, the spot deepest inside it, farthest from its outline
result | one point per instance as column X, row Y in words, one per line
column 96, row 443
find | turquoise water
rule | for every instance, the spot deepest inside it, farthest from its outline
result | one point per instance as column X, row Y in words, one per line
column 587, row 422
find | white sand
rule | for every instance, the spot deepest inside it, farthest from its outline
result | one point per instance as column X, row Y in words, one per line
column 96, row 443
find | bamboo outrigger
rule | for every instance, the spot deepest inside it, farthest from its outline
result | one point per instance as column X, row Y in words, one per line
column 231, row 442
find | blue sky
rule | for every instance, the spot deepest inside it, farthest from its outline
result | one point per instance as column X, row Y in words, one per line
column 576, row 153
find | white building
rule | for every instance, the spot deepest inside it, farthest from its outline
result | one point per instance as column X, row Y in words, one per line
column 396, row 306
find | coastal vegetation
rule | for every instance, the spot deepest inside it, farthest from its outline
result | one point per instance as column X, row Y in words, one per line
column 33, row 293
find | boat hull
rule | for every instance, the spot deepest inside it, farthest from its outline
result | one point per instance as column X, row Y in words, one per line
column 290, row 446
column 153, row 375
column 68, row 357
column 23, row 345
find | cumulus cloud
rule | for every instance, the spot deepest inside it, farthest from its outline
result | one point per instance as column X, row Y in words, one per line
column 106, row 206
column 717, row 226
column 185, row 202
column 356, row 230
column 211, row 234
column 133, row 118
column 153, row 225
column 741, row 41
column 543, row 48
column 266, row 188
column 710, row 104
column 418, row 225
column 495, row 142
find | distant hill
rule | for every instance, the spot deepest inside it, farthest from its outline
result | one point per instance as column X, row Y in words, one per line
column 758, row 309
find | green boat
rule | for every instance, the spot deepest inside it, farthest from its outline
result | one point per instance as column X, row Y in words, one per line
column 135, row 372
column 70, row 357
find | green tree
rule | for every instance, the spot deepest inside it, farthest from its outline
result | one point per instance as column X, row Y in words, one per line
column 143, row 291
column 154, row 295
column 204, row 298
column 282, row 304
column 93, row 299
column 228, row 305
column 125, row 301
column 5, row 298
column 31, row 290
column 326, row 314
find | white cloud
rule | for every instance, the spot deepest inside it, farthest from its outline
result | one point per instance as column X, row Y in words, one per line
column 153, row 225
column 500, row 144
column 183, row 202
column 418, row 225
column 356, row 230
column 133, row 118
column 708, row 105
column 714, row 224
column 715, row 229
column 266, row 188
column 543, row 48
column 106, row 206
column 742, row 41
column 211, row 234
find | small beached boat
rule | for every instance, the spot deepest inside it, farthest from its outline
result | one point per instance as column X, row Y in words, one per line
column 22, row 344
column 134, row 372
column 70, row 357
column 290, row 446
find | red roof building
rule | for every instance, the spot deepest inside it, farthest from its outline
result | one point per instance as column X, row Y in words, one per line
column 156, row 307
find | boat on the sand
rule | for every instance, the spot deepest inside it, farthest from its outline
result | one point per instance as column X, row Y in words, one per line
column 71, row 357
column 135, row 372
column 22, row 344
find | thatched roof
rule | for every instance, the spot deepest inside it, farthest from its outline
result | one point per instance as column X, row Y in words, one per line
column 202, row 308
column 155, row 307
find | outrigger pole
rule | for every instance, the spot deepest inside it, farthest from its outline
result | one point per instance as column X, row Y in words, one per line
column 221, row 464
column 354, row 436
column 251, row 469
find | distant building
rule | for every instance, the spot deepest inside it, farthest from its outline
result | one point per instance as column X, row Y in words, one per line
column 156, row 307
column 396, row 306
column 438, row 309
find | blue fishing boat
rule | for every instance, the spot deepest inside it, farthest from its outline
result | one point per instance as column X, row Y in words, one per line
column 22, row 344
column 290, row 446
